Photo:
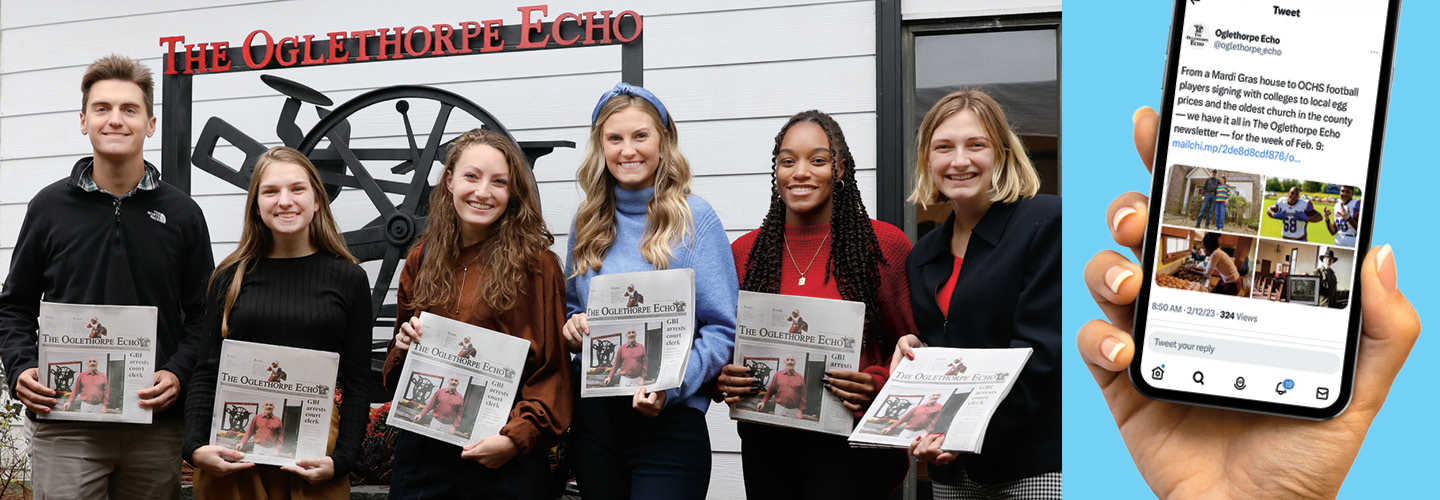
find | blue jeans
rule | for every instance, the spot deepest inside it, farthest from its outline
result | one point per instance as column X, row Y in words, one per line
column 620, row 454
column 428, row 468
column 1207, row 206
column 1220, row 215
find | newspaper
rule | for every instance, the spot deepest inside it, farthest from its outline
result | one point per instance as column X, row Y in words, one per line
column 97, row 359
column 273, row 403
column 459, row 381
column 944, row 390
column 641, row 325
column 789, row 343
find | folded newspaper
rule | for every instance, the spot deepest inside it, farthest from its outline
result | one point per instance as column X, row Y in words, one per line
column 97, row 359
column 789, row 343
column 459, row 381
column 273, row 403
column 641, row 325
column 943, row 390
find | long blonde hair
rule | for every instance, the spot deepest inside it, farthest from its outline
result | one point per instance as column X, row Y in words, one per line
column 1016, row 178
column 256, row 238
column 514, row 239
column 669, row 219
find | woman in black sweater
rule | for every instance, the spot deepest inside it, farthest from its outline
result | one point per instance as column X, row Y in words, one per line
column 994, row 269
column 298, row 287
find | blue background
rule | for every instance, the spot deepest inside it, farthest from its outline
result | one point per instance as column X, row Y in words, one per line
column 1112, row 63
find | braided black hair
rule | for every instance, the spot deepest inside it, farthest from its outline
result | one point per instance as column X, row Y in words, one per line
column 855, row 256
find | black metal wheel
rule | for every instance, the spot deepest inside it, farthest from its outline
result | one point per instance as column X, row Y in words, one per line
column 387, row 237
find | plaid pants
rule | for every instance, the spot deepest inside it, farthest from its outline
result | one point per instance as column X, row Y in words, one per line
column 1041, row 487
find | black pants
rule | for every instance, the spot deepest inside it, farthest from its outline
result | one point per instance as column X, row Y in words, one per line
column 621, row 454
column 427, row 468
column 788, row 464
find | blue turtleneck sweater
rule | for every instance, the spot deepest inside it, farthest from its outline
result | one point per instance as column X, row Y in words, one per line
column 707, row 251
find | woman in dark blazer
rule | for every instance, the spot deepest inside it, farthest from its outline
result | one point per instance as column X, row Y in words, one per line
column 989, row 278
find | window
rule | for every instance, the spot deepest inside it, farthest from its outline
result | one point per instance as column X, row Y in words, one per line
column 1016, row 60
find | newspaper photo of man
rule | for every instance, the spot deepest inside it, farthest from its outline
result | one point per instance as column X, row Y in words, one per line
column 444, row 408
column 276, row 373
column 634, row 297
column 631, row 363
column 266, row 433
column 919, row 421
column 955, row 367
column 797, row 323
column 93, row 389
column 787, row 388
column 98, row 330
column 467, row 350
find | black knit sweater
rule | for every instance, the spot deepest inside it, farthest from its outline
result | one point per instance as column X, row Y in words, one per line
column 315, row 302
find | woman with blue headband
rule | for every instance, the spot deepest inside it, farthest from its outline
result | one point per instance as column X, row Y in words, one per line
column 638, row 215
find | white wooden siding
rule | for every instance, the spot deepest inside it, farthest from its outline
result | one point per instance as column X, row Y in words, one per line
column 913, row 10
column 730, row 72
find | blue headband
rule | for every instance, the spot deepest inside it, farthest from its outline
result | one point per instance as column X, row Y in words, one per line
column 623, row 88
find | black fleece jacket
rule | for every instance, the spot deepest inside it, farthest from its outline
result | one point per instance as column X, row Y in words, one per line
column 79, row 247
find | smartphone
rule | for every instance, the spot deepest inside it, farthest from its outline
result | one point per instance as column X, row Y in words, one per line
column 1261, row 203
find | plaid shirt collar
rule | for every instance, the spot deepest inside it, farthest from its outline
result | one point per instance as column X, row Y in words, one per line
column 149, row 182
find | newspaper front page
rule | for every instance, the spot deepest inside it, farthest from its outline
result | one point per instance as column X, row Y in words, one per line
column 641, row 326
column 789, row 343
column 273, row 403
column 459, row 381
column 97, row 359
column 943, row 390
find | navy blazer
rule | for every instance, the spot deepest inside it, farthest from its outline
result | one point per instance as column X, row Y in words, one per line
column 1007, row 295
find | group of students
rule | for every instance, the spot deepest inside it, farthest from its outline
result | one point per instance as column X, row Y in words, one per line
column 292, row 282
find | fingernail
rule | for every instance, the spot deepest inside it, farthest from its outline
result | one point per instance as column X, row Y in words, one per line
column 1135, row 117
column 918, row 438
column 910, row 354
column 1116, row 276
column 1111, row 346
column 1120, row 216
column 1385, row 267
column 750, row 371
column 829, row 373
column 825, row 379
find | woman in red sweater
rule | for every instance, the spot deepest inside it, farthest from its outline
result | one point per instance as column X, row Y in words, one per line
column 817, row 241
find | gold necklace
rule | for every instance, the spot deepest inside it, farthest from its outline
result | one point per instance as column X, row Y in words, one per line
column 464, row 277
column 812, row 259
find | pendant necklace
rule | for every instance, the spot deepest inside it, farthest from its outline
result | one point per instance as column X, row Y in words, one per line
column 812, row 259
column 464, row 276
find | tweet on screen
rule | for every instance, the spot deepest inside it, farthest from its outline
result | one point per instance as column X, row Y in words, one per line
column 1265, row 156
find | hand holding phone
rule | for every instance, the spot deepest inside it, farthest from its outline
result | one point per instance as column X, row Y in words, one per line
column 1272, row 124
column 1186, row 451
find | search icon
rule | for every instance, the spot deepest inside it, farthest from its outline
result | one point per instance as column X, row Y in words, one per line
column 1199, row 377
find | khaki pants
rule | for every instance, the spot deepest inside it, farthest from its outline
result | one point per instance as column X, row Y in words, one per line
column 105, row 460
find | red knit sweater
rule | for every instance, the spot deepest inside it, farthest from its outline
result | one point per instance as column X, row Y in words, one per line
column 896, row 319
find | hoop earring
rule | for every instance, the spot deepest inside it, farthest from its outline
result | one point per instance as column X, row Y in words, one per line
column 841, row 182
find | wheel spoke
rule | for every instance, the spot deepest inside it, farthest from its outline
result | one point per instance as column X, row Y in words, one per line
column 382, row 281
column 367, row 181
column 366, row 235
column 427, row 157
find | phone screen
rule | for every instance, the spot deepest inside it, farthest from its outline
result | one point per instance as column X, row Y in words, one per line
column 1265, row 176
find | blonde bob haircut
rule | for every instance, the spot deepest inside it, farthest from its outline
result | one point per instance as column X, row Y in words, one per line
column 1016, row 177
column 669, row 219
column 256, row 239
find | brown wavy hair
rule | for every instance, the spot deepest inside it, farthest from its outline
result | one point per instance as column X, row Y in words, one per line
column 256, row 240
column 511, row 247
column 669, row 219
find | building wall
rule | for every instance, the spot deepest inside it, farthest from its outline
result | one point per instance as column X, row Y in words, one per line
column 730, row 73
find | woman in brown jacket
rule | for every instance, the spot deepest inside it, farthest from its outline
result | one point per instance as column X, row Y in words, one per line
column 484, row 259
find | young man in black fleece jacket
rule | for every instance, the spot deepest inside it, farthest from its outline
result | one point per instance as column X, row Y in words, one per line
column 111, row 233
